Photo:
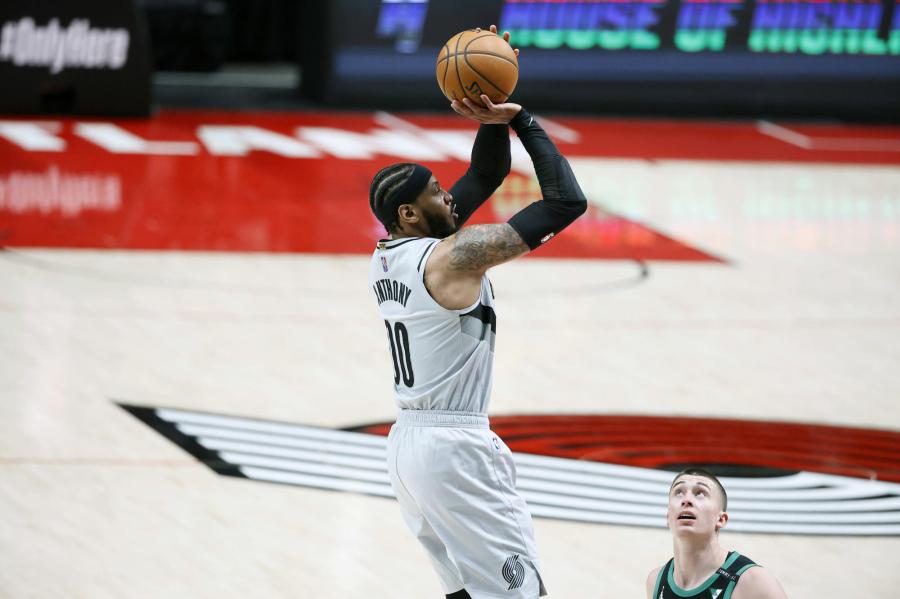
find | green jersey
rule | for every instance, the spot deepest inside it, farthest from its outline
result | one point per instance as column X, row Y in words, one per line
column 718, row 586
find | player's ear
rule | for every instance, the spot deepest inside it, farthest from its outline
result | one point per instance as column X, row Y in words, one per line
column 722, row 521
column 407, row 213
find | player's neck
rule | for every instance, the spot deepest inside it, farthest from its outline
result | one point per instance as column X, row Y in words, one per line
column 408, row 232
column 417, row 229
column 696, row 559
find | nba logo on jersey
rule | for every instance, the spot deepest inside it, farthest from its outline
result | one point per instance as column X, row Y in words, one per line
column 384, row 263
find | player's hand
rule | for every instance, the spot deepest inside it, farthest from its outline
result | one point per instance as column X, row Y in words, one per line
column 489, row 114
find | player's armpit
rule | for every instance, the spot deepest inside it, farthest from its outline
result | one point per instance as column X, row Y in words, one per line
column 479, row 247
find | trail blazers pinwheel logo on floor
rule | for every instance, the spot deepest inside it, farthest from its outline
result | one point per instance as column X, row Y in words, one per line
column 781, row 477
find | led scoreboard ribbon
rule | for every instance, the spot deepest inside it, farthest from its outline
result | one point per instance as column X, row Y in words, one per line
column 811, row 27
column 832, row 58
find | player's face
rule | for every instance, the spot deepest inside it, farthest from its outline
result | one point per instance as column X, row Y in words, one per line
column 695, row 506
column 438, row 208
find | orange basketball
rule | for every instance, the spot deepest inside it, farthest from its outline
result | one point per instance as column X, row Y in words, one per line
column 476, row 62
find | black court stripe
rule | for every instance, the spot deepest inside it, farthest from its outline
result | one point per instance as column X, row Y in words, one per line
column 430, row 245
column 208, row 457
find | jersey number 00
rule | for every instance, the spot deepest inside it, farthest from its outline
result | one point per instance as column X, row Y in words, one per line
column 399, row 340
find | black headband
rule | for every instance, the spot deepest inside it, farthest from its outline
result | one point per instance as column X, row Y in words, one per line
column 405, row 194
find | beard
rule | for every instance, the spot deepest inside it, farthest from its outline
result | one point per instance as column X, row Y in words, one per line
column 439, row 226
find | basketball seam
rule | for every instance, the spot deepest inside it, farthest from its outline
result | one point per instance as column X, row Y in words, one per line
column 486, row 80
column 472, row 41
column 456, row 64
column 457, row 54
column 484, row 35
column 447, row 45
column 484, row 53
column 446, row 70
column 478, row 53
column 488, row 53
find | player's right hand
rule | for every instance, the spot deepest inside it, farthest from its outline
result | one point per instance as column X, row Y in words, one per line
column 489, row 114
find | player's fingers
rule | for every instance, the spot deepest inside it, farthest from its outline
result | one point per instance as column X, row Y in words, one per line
column 516, row 50
column 459, row 108
column 487, row 102
column 493, row 29
column 479, row 109
column 471, row 107
column 506, row 36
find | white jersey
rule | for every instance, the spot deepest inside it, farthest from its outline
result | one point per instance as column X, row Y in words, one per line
column 443, row 359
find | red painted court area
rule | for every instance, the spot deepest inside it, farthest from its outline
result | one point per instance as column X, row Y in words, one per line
column 298, row 182
column 660, row 442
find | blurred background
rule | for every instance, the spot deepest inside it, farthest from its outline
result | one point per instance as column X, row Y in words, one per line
column 184, row 234
column 650, row 57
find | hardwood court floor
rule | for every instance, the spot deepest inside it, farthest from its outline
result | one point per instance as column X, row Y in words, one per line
column 721, row 277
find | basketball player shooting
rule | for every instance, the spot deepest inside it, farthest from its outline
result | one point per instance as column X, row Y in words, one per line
column 454, row 478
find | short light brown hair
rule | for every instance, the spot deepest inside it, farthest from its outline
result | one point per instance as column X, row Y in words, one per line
column 697, row 471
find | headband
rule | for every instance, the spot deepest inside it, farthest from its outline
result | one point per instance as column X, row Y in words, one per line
column 405, row 194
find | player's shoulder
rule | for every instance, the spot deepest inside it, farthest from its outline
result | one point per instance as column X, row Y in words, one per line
column 408, row 251
column 651, row 580
column 393, row 244
column 758, row 583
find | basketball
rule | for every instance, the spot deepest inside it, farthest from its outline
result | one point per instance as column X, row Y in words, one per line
column 475, row 62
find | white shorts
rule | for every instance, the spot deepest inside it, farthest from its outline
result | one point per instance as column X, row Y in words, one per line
column 455, row 480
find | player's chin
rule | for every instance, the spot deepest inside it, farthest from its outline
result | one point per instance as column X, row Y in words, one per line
column 687, row 527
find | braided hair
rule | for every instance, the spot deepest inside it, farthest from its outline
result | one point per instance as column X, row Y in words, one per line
column 384, row 183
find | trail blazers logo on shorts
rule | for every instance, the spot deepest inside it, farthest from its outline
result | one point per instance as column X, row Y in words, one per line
column 592, row 468
column 513, row 572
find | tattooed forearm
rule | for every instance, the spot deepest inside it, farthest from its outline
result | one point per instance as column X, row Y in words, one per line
column 481, row 246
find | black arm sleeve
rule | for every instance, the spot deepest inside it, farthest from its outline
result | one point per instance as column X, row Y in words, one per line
column 563, row 200
column 490, row 165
